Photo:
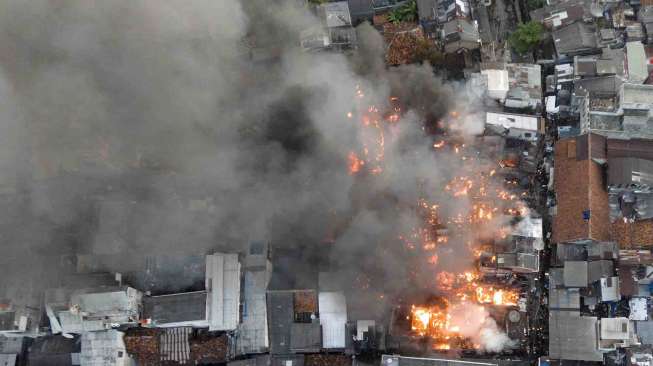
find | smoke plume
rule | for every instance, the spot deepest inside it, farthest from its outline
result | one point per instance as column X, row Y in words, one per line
column 475, row 322
column 166, row 127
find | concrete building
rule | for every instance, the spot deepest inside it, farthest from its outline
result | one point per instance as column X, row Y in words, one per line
column 85, row 310
column 104, row 348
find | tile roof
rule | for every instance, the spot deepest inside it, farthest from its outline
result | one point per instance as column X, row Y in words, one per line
column 402, row 41
column 582, row 210
column 632, row 235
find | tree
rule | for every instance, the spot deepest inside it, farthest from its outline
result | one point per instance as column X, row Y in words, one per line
column 425, row 50
column 535, row 4
column 404, row 13
column 526, row 37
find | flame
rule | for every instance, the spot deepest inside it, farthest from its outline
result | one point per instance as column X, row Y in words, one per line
column 355, row 163
column 433, row 259
column 445, row 280
column 491, row 295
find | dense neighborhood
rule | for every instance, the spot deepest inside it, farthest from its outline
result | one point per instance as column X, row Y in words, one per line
column 561, row 172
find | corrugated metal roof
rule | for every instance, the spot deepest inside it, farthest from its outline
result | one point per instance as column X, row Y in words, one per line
column 223, row 287
column 305, row 337
column 625, row 171
column 280, row 315
column 575, row 274
column 253, row 330
column 598, row 269
column 573, row 337
column 333, row 316
column 574, row 39
column 644, row 330
column 176, row 308
column 615, row 328
column 564, row 299
column 174, row 344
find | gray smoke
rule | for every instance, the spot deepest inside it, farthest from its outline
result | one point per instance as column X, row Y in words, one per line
column 166, row 127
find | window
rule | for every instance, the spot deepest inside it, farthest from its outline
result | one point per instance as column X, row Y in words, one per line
column 119, row 354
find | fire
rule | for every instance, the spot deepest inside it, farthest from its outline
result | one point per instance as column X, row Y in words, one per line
column 433, row 259
column 445, row 280
column 421, row 319
column 432, row 321
column 481, row 194
column 355, row 163
column 491, row 295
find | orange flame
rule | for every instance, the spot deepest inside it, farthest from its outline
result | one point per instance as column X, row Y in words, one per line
column 355, row 163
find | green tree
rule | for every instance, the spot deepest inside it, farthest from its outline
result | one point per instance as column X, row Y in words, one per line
column 404, row 13
column 535, row 4
column 526, row 37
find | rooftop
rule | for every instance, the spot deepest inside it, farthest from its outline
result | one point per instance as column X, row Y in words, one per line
column 632, row 234
column 510, row 120
column 560, row 13
column 402, row 41
column 582, row 209
column 573, row 337
column 636, row 96
column 597, row 85
column 497, row 83
column 174, row 309
column 636, row 62
column 574, row 39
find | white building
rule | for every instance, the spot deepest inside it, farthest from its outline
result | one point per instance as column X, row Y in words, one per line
column 333, row 317
column 92, row 309
column 521, row 121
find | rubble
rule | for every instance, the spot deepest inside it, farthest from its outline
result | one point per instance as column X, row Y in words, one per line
column 143, row 345
column 206, row 348
column 305, row 302
column 327, row 360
